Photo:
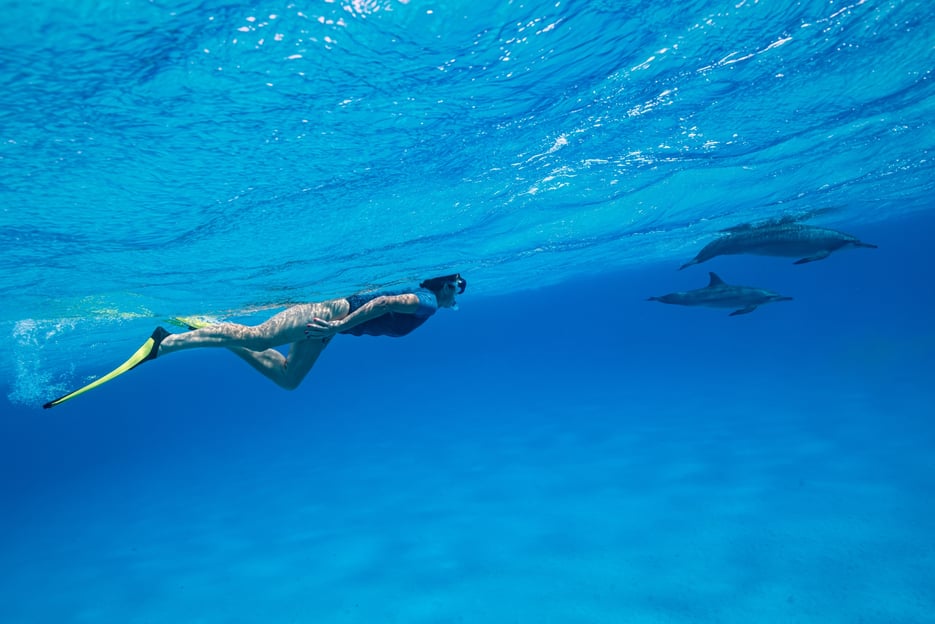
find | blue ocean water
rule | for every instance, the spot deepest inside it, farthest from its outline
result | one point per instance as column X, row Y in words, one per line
column 557, row 450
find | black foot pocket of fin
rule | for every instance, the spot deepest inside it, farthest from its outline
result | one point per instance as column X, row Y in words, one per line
column 148, row 351
column 159, row 334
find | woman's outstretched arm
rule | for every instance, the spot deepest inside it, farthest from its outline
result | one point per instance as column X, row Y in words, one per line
column 403, row 304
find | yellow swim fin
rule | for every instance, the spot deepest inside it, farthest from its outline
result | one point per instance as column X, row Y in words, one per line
column 146, row 352
column 193, row 322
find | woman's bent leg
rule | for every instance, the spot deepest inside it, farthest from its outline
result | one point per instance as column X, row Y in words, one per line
column 286, row 372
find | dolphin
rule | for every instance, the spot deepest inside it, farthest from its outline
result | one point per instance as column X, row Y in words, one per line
column 718, row 294
column 780, row 237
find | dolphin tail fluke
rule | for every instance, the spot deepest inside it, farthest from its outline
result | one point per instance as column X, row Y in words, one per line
column 746, row 310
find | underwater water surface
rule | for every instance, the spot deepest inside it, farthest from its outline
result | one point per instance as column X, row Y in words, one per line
column 559, row 449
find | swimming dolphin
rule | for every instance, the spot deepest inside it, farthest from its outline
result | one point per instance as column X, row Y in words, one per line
column 780, row 237
column 718, row 294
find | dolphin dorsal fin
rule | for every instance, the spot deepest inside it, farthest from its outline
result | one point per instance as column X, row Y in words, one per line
column 715, row 280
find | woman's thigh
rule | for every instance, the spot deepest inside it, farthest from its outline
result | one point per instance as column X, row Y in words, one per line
column 302, row 357
column 289, row 325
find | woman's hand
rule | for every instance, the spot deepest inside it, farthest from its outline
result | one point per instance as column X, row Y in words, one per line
column 320, row 329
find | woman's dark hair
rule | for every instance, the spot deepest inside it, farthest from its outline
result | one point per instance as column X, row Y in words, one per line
column 435, row 284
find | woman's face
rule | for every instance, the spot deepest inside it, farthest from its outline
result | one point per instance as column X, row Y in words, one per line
column 446, row 296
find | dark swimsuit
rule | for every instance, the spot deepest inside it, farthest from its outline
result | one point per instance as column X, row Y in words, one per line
column 392, row 323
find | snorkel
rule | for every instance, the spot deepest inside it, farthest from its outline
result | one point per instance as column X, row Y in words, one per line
column 436, row 284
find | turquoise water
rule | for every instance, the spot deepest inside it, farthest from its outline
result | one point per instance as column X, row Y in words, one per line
column 557, row 450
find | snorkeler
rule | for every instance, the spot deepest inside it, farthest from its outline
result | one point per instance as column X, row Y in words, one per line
column 307, row 328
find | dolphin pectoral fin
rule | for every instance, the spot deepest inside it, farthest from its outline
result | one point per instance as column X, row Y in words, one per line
column 819, row 256
column 867, row 245
column 746, row 310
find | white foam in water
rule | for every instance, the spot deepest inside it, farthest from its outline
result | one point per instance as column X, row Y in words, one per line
column 32, row 381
